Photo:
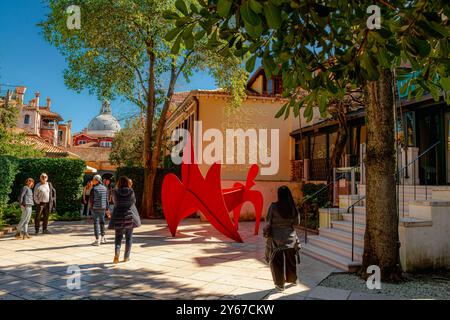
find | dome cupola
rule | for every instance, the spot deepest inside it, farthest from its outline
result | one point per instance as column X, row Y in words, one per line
column 105, row 124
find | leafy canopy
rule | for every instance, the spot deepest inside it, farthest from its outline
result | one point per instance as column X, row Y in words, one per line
column 326, row 48
column 110, row 54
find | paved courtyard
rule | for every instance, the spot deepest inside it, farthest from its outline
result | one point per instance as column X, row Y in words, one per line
column 198, row 264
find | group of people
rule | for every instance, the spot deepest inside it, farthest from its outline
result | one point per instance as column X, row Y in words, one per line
column 43, row 195
column 118, row 203
column 123, row 218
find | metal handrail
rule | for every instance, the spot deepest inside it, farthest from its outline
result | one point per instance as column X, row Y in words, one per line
column 433, row 146
column 314, row 195
column 352, row 207
column 419, row 156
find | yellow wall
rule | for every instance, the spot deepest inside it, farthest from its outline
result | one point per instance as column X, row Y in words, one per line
column 254, row 113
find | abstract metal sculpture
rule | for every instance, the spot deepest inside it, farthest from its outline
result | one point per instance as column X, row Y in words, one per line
column 181, row 199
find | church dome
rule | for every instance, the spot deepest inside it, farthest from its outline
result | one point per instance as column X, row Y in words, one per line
column 105, row 123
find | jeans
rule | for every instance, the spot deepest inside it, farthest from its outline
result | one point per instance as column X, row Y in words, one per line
column 24, row 220
column 99, row 222
column 128, row 241
column 86, row 209
column 43, row 212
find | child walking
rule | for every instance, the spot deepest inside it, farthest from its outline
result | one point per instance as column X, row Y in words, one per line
column 26, row 203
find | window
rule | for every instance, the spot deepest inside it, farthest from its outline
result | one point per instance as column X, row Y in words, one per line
column 26, row 119
column 82, row 142
column 106, row 144
column 270, row 86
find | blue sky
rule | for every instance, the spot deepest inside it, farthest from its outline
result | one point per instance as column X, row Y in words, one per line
column 27, row 59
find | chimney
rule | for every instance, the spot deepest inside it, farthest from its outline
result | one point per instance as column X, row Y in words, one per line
column 49, row 103
column 20, row 91
column 37, row 94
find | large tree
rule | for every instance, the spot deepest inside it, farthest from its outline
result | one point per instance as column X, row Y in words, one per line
column 329, row 47
column 122, row 50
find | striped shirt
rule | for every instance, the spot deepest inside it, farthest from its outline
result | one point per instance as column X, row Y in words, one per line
column 99, row 197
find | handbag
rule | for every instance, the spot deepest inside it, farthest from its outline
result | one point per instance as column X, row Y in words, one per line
column 136, row 218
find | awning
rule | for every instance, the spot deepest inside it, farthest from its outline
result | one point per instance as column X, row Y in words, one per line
column 90, row 170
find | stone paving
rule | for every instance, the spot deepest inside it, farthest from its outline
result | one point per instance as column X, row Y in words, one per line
column 197, row 264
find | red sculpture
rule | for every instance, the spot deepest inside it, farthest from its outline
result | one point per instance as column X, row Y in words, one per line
column 181, row 199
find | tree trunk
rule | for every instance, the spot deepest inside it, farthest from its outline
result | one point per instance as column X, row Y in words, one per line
column 151, row 167
column 381, row 240
column 341, row 139
column 149, row 171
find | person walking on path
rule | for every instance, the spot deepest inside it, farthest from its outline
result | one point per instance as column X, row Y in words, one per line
column 99, row 206
column 109, row 186
column 282, row 243
column 125, row 217
column 45, row 199
column 26, row 204
column 86, row 193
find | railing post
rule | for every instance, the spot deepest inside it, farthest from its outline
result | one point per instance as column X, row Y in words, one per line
column 437, row 172
column 353, row 231
column 306, row 224
column 403, row 204
column 334, row 186
column 414, row 168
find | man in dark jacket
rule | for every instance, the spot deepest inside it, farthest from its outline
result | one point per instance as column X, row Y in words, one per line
column 99, row 205
column 45, row 198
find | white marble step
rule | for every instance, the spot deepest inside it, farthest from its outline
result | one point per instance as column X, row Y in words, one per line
column 359, row 218
column 329, row 257
column 337, row 247
column 342, row 236
column 347, row 227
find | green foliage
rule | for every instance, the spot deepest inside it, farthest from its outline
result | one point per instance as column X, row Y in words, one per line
column 67, row 216
column 66, row 175
column 127, row 146
column 322, row 198
column 326, row 48
column 8, row 171
column 111, row 53
column 11, row 143
column 311, row 206
column 12, row 214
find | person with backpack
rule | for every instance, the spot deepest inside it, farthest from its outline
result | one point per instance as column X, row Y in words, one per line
column 99, row 207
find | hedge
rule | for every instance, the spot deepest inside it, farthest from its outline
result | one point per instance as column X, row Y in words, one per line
column 137, row 175
column 8, row 170
column 66, row 176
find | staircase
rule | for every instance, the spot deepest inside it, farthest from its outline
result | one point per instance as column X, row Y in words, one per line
column 333, row 245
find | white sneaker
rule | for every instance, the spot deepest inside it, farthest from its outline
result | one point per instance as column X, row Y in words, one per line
column 96, row 243
column 103, row 240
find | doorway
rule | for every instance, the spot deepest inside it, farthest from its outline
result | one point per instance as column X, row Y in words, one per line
column 430, row 129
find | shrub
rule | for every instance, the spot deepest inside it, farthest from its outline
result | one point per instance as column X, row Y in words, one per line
column 311, row 206
column 12, row 214
column 66, row 175
column 8, row 171
column 67, row 216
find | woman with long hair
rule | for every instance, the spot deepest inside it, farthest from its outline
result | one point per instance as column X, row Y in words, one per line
column 124, row 217
column 86, row 194
column 282, row 244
